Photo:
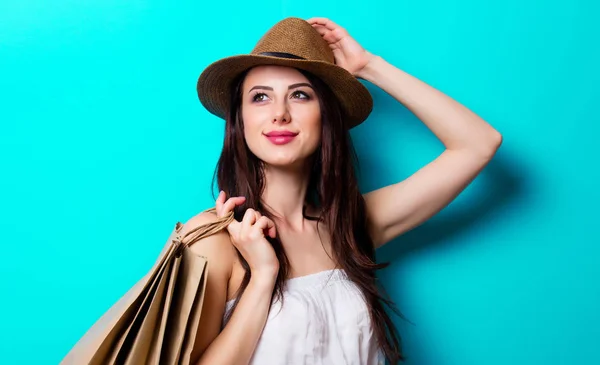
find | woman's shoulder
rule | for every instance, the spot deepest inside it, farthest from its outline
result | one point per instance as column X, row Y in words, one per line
column 216, row 248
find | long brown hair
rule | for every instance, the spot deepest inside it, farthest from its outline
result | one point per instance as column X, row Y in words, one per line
column 333, row 188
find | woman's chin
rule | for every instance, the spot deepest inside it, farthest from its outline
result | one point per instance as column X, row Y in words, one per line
column 283, row 162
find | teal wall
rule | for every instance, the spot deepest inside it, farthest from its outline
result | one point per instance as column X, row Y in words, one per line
column 104, row 146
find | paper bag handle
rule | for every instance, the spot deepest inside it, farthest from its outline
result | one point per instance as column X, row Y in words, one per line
column 205, row 230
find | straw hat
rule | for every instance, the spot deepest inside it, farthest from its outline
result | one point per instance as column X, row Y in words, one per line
column 291, row 42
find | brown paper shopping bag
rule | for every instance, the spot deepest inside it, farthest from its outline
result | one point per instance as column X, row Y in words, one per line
column 156, row 321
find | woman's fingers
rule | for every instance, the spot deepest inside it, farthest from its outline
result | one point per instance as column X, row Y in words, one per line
column 219, row 202
column 231, row 203
column 322, row 21
column 320, row 29
column 251, row 217
column 330, row 31
column 248, row 220
column 224, row 207
column 266, row 225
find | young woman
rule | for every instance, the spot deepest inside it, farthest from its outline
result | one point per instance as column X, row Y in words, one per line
column 292, row 280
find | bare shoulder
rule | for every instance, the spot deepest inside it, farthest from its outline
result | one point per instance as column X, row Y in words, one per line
column 217, row 248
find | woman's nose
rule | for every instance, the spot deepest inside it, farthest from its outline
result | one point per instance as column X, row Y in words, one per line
column 282, row 114
column 281, row 119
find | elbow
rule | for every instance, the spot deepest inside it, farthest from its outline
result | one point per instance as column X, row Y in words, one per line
column 483, row 146
column 492, row 145
column 495, row 141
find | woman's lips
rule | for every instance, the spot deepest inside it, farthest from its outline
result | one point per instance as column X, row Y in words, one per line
column 281, row 139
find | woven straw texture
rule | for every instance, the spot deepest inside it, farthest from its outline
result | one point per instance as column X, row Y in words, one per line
column 297, row 37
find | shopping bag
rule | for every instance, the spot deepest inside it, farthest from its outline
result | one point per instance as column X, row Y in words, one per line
column 156, row 321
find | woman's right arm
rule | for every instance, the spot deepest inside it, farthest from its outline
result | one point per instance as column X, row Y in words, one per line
column 236, row 343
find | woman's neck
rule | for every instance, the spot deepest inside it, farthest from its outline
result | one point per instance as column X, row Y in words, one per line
column 285, row 195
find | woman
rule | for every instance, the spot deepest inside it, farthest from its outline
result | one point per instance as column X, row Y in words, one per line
column 293, row 279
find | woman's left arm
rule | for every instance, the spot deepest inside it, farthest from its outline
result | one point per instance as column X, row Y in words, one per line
column 470, row 142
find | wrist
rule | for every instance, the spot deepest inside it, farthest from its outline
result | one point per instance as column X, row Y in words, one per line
column 369, row 72
column 264, row 277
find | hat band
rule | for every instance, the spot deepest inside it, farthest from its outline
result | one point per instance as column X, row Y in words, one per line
column 281, row 55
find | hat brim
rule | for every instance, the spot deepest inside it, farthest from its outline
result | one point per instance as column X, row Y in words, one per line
column 214, row 84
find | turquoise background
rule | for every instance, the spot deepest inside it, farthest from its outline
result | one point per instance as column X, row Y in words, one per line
column 104, row 147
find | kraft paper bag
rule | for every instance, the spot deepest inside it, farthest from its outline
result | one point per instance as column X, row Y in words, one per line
column 156, row 321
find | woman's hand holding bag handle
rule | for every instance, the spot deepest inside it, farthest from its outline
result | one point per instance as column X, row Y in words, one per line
column 248, row 236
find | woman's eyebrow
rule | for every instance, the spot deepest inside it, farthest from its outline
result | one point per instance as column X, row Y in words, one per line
column 292, row 86
column 261, row 87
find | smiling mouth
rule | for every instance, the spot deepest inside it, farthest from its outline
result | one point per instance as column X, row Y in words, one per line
column 281, row 139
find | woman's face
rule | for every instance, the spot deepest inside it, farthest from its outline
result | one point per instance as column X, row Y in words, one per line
column 278, row 99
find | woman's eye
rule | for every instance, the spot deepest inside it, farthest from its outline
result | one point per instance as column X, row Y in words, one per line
column 300, row 95
column 259, row 97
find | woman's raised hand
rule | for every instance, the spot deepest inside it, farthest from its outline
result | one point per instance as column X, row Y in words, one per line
column 248, row 236
column 346, row 50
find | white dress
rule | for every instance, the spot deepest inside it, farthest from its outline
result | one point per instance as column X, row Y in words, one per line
column 324, row 321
